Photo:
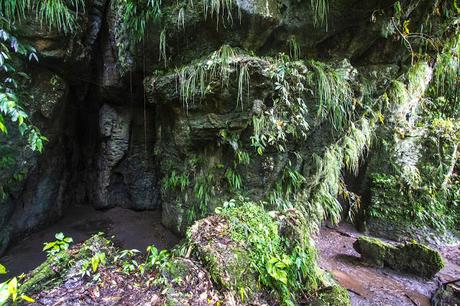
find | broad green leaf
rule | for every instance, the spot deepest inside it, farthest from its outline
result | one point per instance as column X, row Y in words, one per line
column 2, row 269
column 27, row 298
column 4, row 293
column 13, row 288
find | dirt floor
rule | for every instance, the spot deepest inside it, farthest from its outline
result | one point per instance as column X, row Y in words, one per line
column 136, row 230
column 129, row 229
column 371, row 286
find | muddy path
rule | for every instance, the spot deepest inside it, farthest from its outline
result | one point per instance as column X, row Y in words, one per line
column 129, row 229
column 371, row 286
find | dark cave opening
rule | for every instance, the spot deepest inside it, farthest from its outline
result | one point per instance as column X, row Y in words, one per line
column 110, row 182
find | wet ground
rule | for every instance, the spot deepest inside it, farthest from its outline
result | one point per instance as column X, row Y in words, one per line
column 370, row 286
column 136, row 230
column 130, row 230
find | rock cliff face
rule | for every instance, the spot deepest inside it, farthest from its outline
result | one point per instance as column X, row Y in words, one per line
column 124, row 131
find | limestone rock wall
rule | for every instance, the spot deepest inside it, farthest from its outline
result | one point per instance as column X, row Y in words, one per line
column 118, row 129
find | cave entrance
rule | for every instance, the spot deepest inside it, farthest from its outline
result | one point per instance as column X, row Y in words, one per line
column 112, row 184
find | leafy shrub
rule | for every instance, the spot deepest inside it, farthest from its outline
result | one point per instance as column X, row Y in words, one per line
column 9, row 291
column 60, row 244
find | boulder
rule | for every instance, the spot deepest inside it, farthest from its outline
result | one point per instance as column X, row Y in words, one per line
column 226, row 260
column 410, row 257
column 331, row 296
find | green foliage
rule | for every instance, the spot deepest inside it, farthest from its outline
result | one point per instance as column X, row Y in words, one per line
column 135, row 16
column 395, row 200
column 221, row 10
column 242, row 158
column 55, row 14
column 156, row 259
column 10, row 50
column 284, row 265
column 233, row 179
column 291, row 182
column 320, row 10
column 194, row 175
column 90, row 266
column 294, row 48
column 334, row 94
column 9, row 292
column 355, row 143
column 97, row 260
column 61, row 243
column 128, row 263
column 203, row 193
column 291, row 117
column 174, row 181
column 447, row 80
column 197, row 80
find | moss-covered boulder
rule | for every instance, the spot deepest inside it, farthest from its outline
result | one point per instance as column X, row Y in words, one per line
column 63, row 265
column 374, row 250
column 183, row 274
column 226, row 260
column 261, row 257
column 411, row 257
column 47, row 274
column 332, row 296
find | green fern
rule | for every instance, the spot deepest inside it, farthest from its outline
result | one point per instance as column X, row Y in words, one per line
column 196, row 80
column 294, row 48
column 219, row 9
column 398, row 92
column 162, row 52
column 55, row 14
column 334, row 94
column 243, row 83
column 320, row 10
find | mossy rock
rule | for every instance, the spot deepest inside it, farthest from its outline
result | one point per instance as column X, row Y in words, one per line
column 332, row 296
column 188, row 284
column 56, row 268
column 48, row 274
column 419, row 259
column 413, row 257
column 227, row 261
column 374, row 251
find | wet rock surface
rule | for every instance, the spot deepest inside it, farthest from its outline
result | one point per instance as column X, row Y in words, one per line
column 369, row 285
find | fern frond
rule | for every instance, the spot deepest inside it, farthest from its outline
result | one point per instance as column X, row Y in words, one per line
column 320, row 10
column 54, row 14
